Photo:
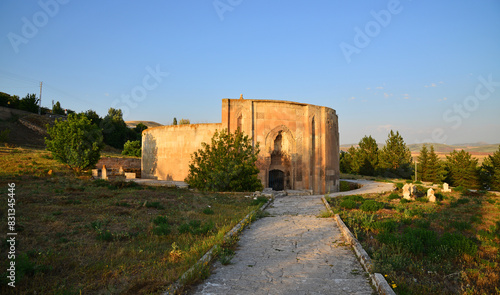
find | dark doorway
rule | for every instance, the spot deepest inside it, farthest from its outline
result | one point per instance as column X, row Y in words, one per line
column 277, row 180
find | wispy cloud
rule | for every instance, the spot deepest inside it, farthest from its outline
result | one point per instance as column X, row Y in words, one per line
column 379, row 87
column 352, row 98
column 387, row 95
column 431, row 85
column 406, row 96
column 443, row 99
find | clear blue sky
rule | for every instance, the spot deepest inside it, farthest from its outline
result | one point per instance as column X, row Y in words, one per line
column 429, row 69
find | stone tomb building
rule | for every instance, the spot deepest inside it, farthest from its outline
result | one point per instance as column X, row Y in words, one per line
column 299, row 144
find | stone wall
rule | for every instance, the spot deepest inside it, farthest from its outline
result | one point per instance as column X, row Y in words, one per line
column 299, row 143
column 116, row 163
column 166, row 150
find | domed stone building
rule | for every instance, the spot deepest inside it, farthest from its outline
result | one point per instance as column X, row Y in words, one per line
column 299, row 144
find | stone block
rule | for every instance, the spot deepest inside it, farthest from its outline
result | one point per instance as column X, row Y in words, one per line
column 446, row 188
column 129, row 175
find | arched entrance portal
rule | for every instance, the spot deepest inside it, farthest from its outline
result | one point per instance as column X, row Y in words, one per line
column 277, row 180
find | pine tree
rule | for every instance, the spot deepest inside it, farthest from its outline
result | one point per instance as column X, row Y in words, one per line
column 490, row 171
column 395, row 158
column 423, row 163
column 367, row 156
column 434, row 171
column 175, row 121
column 462, row 169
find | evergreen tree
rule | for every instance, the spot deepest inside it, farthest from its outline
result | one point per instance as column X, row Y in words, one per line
column 462, row 169
column 395, row 158
column 367, row 156
column 227, row 164
column 490, row 171
column 175, row 121
column 423, row 163
column 345, row 162
column 434, row 170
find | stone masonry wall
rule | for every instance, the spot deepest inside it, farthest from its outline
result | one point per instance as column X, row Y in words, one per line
column 166, row 150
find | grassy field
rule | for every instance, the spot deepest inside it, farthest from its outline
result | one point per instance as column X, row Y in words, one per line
column 81, row 236
column 447, row 247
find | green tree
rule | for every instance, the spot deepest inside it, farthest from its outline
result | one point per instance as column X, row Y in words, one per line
column 367, row 156
column 93, row 117
column 175, row 121
column 434, row 169
column 114, row 129
column 29, row 103
column 132, row 148
column 490, row 171
column 184, row 122
column 57, row 109
column 423, row 163
column 139, row 128
column 345, row 161
column 13, row 102
column 462, row 169
column 227, row 164
column 75, row 142
column 395, row 157
column 4, row 99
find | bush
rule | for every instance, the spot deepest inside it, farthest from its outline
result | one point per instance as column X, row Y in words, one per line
column 348, row 204
column 355, row 198
column 393, row 196
column 371, row 206
column 132, row 148
column 259, row 200
column 4, row 135
column 227, row 164
column 75, row 142
column 195, row 227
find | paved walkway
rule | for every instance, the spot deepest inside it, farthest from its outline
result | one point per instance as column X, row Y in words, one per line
column 292, row 252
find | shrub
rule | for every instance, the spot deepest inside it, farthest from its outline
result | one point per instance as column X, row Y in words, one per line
column 348, row 204
column 227, row 164
column 399, row 185
column 75, row 142
column 162, row 229
column 132, row 148
column 208, row 211
column 393, row 196
column 355, row 198
column 4, row 135
column 371, row 206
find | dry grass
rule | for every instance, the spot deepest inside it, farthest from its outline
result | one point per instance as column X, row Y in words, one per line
column 97, row 237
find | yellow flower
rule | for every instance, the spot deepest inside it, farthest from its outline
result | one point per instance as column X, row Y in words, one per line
column 394, row 286
column 385, row 276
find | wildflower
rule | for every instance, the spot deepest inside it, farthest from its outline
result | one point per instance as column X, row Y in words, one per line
column 394, row 286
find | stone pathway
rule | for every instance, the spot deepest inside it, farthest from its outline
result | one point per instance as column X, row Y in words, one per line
column 292, row 252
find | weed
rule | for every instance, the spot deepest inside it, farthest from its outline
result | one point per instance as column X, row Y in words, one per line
column 196, row 227
column 122, row 204
column 162, row 229
column 156, row 205
column 208, row 211
column 259, row 200
column 325, row 214
column 225, row 256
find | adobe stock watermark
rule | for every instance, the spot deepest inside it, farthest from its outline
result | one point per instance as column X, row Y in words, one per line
column 363, row 36
column 30, row 28
column 139, row 93
column 456, row 114
column 223, row 6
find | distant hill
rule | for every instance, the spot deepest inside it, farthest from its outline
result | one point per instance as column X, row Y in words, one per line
column 150, row 124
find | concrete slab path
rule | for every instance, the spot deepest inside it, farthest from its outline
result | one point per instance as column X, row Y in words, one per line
column 292, row 252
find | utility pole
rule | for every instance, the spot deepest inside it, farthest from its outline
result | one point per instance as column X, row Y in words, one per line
column 415, row 170
column 40, row 101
